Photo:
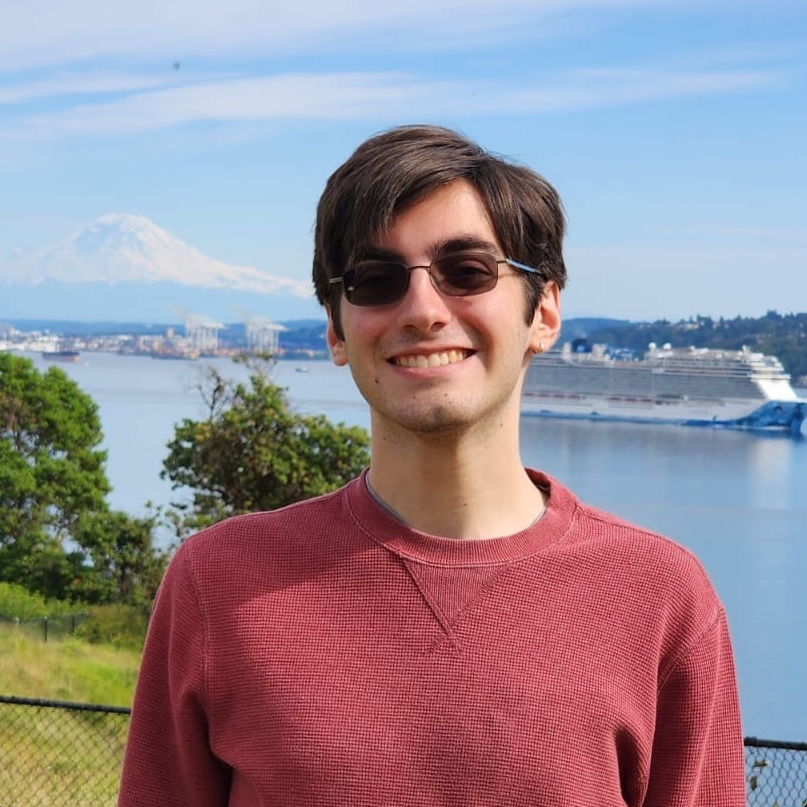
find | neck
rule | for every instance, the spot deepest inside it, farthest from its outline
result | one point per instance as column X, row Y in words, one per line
column 456, row 485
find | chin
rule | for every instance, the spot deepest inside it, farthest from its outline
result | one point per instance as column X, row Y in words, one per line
column 435, row 421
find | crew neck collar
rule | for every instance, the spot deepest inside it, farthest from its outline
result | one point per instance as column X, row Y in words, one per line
column 385, row 528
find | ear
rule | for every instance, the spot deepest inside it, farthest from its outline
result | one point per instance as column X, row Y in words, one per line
column 545, row 327
column 335, row 343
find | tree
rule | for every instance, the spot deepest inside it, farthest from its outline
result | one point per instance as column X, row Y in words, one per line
column 51, row 473
column 120, row 562
column 57, row 534
column 253, row 452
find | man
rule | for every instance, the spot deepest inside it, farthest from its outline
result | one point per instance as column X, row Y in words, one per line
column 450, row 628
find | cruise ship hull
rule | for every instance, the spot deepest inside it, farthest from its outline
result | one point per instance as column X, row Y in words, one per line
column 769, row 416
column 688, row 387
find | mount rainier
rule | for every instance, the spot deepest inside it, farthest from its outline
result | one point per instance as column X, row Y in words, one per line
column 125, row 267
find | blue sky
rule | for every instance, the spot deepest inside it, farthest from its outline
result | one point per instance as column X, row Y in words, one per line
column 675, row 130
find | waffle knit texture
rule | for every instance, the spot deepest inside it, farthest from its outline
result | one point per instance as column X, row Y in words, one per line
column 326, row 654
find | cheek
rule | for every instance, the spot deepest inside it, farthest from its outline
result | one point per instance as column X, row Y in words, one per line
column 364, row 328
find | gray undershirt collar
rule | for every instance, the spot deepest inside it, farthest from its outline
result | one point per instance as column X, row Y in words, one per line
column 384, row 506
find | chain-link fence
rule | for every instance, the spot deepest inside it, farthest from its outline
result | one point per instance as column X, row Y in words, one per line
column 775, row 773
column 46, row 627
column 54, row 753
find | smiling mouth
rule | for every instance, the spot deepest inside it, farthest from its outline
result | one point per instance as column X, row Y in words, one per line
column 432, row 359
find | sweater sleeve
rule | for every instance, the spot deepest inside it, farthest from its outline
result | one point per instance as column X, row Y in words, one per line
column 697, row 758
column 168, row 760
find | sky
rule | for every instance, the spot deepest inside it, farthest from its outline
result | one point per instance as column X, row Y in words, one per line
column 675, row 130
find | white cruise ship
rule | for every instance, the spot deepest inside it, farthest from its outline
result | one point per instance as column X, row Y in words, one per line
column 737, row 389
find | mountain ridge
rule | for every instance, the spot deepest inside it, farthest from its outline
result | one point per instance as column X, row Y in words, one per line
column 123, row 265
column 124, row 247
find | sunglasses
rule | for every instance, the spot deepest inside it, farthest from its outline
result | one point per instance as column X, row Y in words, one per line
column 460, row 274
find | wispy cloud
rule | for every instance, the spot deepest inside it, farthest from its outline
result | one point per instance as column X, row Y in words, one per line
column 266, row 98
column 365, row 95
column 259, row 85
column 52, row 32
column 79, row 84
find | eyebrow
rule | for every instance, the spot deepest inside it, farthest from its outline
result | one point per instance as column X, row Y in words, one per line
column 448, row 246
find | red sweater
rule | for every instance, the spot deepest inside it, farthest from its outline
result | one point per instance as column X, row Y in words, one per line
column 325, row 654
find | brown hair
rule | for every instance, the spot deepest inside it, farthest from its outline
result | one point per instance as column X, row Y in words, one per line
column 395, row 169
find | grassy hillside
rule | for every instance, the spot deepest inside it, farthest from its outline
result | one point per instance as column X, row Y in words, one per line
column 69, row 670
column 60, row 756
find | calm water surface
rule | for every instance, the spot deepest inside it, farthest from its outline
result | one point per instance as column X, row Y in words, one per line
column 739, row 501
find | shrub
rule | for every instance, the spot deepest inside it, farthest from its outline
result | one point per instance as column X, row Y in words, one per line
column 16, row 602
column 116, row 624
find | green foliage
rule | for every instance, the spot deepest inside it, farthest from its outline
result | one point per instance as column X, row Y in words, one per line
column 116, row 624
column 253, row 452
column 57, row 535
column 51, row 472
column 121, row 563
column 17, row 602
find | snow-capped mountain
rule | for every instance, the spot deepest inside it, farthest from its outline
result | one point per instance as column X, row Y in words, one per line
column 122, row 248
column 125, row 265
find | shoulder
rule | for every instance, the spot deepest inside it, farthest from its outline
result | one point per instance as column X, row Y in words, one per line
column 286, row 522
column 666, row 592
column 256, row 547
column 662, row 558
column 657, row 585
column 615, row 541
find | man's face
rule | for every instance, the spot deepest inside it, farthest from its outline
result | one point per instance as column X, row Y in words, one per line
column 435, row 363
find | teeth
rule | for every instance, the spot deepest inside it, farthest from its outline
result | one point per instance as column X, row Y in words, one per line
column 432, row 360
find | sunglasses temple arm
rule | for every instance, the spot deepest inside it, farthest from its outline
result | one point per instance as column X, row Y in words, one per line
column 522, row 266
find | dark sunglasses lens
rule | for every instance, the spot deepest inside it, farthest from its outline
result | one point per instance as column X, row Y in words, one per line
column 376, row 283
column 465, row 274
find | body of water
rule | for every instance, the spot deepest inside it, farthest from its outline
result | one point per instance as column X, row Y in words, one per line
column 738, row 500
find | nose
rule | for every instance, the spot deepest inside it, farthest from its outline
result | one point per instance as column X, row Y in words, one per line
column 423, row 308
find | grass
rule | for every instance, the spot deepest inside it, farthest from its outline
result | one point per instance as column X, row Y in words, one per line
column 59, row 756
column 69, row 669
